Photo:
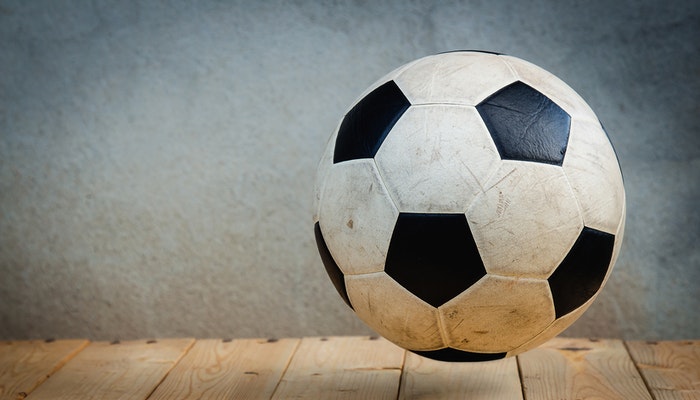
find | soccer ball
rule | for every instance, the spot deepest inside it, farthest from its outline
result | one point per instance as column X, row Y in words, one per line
column 469, row 206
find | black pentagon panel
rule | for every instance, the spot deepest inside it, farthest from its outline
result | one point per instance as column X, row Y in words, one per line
column 332, row 268
column 434, row 256
column 454, row 355
column 472, row 51
column 526, row 125
column 365, row 127
column 581, row 273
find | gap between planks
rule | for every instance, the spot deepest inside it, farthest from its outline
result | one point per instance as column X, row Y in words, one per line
column 237, row 369
column 25, row 365
column 566, row 368
column 104, row 370
column 671, row 369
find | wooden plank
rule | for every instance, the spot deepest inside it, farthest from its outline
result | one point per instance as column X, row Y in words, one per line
column 224, row 369
column 670, row 369
column 114, row 371
column 343, row 368
column 424, row 378
column 24, row 365
column 580, row 368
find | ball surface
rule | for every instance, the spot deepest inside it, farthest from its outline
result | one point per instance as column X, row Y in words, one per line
column 469, row 206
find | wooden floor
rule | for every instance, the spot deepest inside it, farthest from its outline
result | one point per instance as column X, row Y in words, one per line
column 342, row 368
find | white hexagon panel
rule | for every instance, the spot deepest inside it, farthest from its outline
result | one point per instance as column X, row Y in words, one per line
column 454, row 78
column 409, row 322
column 594, row 174
column 553, row 329
column 526, row 220
column 324, row 165
column 357, row 217
column 497, row 314
column 437, row 158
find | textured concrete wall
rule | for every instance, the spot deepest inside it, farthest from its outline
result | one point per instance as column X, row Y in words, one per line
column 157, row 158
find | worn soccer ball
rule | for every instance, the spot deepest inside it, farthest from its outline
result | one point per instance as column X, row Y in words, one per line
column 469, row 206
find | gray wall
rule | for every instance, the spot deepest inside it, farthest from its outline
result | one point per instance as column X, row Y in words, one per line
column 157, row 158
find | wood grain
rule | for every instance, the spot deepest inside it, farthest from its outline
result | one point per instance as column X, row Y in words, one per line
column 25, row 365
column 343, row 368
column 424, row 378
column 670, row 369
column 578, row 368
column 218, row 369
column 128, row 370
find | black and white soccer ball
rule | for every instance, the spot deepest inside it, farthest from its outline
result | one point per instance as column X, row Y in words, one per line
column 469, row 206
